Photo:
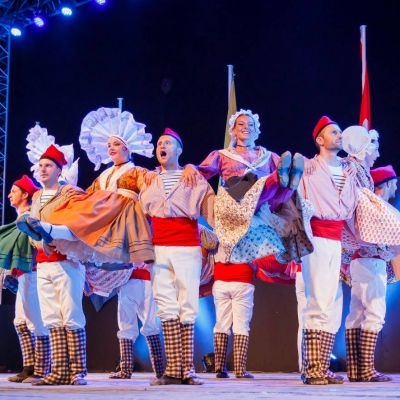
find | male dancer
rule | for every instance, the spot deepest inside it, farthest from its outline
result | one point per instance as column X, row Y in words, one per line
column 32, row 334
column 331, row 189
column 368, row 295
column 60, row 282
column 135, row 300
column 174, row 209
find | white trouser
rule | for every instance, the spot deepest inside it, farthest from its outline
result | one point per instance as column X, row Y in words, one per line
column 175, row 277
column 60, row 289
column 135, row 300
column 321, row 273
column 368, row 294
column 234, row 303
column 27, row 307
column 335, row 322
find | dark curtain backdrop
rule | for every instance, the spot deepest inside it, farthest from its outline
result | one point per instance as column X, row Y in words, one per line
column 294, row 61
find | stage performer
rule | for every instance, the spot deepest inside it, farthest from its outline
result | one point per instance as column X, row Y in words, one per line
column 60, row 282
column 333, row 325
column 368, row 267
column 104, row 226
column 136, row 300
column 109, row 135
column 254, row 218
column 331, row 189
column 174, row 210
column 16, row 253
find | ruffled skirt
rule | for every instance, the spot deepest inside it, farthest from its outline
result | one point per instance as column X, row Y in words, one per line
column 15, row 249
column 110, row 228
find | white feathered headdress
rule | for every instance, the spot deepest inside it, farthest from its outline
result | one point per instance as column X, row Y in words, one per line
column 38, row 142
column 103, row 123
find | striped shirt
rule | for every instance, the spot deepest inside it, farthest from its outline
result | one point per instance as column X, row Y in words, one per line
column 46, row 195
column 170, row 179
column 338, row 176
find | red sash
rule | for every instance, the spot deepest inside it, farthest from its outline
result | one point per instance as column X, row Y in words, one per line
column 140, row 273
column 41, row 256
column 175, row 232
column 233, row 273
column 326, row 228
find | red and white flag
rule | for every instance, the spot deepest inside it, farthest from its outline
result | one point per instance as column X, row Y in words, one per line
column 365, row 111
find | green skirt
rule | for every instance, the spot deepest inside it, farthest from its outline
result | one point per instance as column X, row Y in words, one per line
column 15, row 249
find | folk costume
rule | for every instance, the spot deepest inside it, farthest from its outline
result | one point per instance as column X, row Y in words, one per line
column 254, row 219
column 17, row 255
column 174, row 210
column 367, row 270
column 60, row 288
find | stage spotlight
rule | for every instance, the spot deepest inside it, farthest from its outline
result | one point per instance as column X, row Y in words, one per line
column 38, row 20
column 16, row 31
column 67, row 9
column 101, row 2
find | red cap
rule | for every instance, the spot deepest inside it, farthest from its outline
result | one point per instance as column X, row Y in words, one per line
column 383, row 174
column 170, row 132
column 27, row 185
column 321, row 124
column 53, row 154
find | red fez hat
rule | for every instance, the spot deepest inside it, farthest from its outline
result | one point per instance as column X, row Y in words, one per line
column 53, row 154
column 321, row 124
column 170, row 132
column 27, row 185
column 383, row 174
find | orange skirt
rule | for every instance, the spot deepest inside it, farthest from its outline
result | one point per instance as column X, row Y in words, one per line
column 110, row 228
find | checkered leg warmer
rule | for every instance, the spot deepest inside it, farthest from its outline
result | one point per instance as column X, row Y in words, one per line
column 59, row 374
column 173, row 347
column 240, row 347
column 368, row 341
column 311, row 354
column 327, row 342
column 156, row 354
column 352, row 353
column 27, row 344
column 42, row 356
column 76, row 341
column 126, row 360
column 187, row 334
column 220, row 350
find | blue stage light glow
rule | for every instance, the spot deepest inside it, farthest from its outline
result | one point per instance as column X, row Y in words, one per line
column 101, row 2
column 66, row 11
column 39, row 21
column 16, row 31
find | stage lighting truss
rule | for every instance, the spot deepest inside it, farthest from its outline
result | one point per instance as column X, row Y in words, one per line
column 28, row 12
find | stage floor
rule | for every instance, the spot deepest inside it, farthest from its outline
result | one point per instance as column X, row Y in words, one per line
column 264, row 386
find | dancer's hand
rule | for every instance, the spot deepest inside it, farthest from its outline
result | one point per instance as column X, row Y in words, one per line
column 309, row 166
column 350, row 170
column 190, row 176
column 149, row 177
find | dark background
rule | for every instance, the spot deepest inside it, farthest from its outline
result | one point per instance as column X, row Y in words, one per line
column 294, row 61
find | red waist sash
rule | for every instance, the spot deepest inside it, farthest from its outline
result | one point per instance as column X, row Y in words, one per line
column 326, row 228
column 41, row 256
column 233, row 272
column 140, row 273
column 17, row 272
column 178, row 231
